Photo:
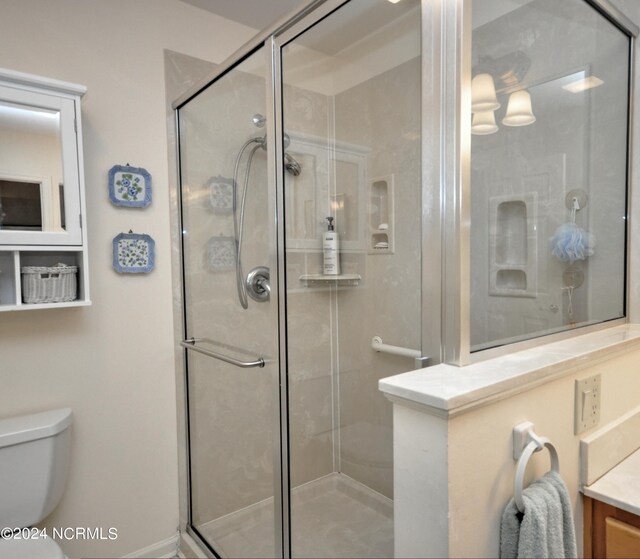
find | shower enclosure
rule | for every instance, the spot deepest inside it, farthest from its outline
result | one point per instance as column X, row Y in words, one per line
column 361, row 110
column 290, row 439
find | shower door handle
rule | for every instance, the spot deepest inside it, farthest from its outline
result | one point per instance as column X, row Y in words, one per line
column 191, row 344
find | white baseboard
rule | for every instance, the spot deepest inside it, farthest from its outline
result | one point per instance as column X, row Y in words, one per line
column 165, row 549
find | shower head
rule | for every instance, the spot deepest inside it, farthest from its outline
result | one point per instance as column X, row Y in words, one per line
column 291, row 165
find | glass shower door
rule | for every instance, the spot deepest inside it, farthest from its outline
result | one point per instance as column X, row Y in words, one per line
column 351, row 109
column 228, row 234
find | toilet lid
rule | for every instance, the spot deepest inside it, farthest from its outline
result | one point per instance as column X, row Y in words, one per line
column 41, row 548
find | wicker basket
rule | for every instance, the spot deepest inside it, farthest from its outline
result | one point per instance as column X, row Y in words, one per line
column 49, row 284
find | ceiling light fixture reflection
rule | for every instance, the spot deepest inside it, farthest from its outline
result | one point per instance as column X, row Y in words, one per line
column 519, row 112
column 483, row 94
column 393, row 1
column 484, row 123
column 583, row 84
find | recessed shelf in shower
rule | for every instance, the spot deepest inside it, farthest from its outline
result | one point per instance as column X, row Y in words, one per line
column 513, row 245
column 381, row 215
column 511, row 279
column 511, row 233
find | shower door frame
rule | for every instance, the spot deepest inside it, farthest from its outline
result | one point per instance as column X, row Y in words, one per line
column 281, row 445
column 272, row 39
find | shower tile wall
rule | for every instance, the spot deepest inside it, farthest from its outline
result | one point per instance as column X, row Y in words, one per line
column 333, row 371
column 573, row 144
column 381, row 114
column 308, row 311
column 340, row 421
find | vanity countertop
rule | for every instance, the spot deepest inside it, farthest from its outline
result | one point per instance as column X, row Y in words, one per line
column 620, row 486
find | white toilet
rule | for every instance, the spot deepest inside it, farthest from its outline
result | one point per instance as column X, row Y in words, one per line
column 34, row 460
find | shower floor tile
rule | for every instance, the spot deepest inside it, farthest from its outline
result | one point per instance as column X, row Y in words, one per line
column 333, row 516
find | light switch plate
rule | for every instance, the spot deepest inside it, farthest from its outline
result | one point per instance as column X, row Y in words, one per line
column 587, row 404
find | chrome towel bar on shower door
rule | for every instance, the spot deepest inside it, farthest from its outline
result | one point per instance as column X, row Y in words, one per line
column 191, row 344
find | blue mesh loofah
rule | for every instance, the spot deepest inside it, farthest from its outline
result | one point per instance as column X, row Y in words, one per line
column 570, row 243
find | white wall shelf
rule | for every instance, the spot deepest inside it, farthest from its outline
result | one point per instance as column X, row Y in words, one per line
column 59, row 237
column 11, row 262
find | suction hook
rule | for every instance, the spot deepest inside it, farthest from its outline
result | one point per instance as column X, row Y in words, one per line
column 572, row 277
column 576, row 199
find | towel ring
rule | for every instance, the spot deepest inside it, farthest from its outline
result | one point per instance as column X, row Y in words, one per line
column 536, row 444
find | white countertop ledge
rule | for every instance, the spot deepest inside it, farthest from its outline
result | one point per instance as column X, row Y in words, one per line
column 619, row 487
column 447, row 390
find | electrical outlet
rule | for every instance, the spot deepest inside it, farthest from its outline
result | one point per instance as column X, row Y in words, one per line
column 587, row 404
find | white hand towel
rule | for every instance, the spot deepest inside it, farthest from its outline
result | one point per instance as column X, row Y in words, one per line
column 546, row 529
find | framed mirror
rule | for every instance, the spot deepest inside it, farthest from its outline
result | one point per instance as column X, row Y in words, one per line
column 40, row 161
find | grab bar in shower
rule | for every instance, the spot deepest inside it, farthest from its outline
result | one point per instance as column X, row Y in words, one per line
column 420, row 360
column 191, row 344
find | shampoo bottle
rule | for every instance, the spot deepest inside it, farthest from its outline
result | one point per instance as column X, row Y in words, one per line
column 330, row 253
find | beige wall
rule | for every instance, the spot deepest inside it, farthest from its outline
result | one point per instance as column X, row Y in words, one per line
column 482, row 468
column 454, row 461
column 481, row 448
column 113, row 362
column 379, row 114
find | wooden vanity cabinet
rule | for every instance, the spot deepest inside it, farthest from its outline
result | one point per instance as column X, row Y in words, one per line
column 609, row 531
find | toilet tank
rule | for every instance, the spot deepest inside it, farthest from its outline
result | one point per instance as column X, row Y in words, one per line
column 34, row 460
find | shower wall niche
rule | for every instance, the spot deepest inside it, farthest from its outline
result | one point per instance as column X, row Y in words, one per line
column 381, row 215
column 513, row 253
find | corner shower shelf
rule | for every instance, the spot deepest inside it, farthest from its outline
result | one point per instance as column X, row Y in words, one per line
column 343, row 280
